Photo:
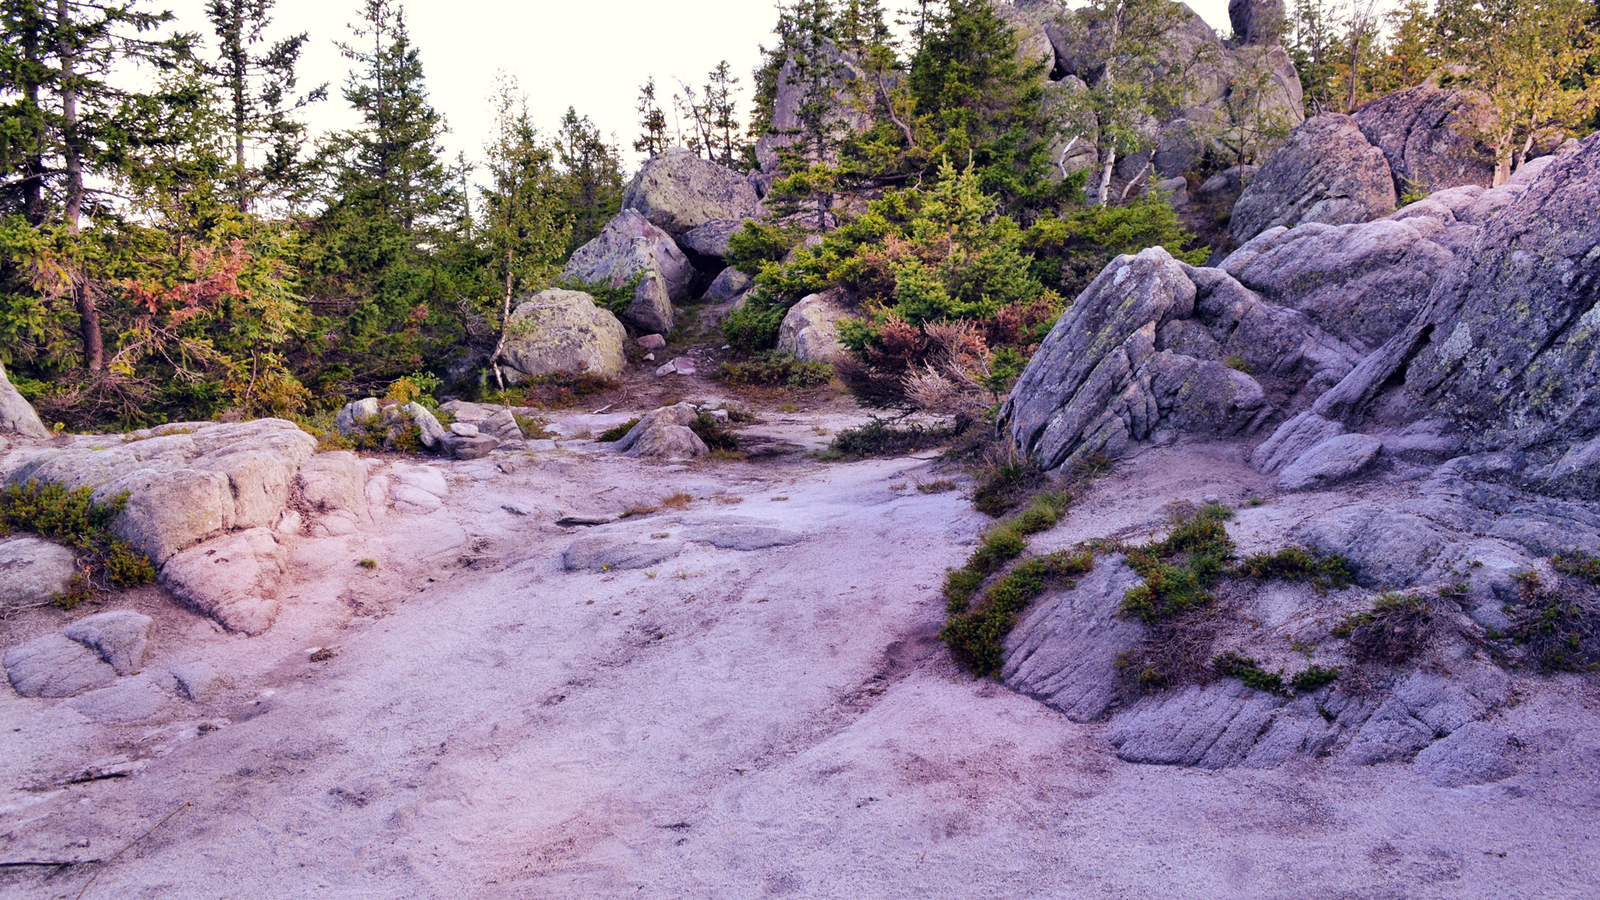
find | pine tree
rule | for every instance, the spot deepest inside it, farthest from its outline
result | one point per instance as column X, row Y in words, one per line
column 652, row 140
column 394, row 161
column 70, row 127
column 258, row 88
column 808, row 161
column 590, row 183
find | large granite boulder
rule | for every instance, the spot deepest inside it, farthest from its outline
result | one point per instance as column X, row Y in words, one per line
column 1256, row 23
column 1327, row 172
column 1033, row 42
column 678, row 192
column 1431, row 136
column 17, row 415
column 664, row 434
column 557, row 331
column 711, row 239
column 1508, row 342
column 630, row 250
column 810, row 330
column 1129, row 359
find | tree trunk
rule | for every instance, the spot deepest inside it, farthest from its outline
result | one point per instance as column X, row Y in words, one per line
column 83, row 299
column 1108, row 162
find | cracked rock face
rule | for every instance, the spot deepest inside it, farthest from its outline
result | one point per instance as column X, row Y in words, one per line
column 1327, row 172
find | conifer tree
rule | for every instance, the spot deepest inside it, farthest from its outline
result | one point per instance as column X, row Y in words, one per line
column 258, row 88
column 590, row 183
column 394, row 161
column 652, row 139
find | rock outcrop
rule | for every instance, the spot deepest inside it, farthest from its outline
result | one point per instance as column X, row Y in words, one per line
column 630, row 250
column 32, row 570
column 563, row 332
column 679, row 192
column 1327, row 172
column 665, row 434
column 1447, row 353
column 1431, row 137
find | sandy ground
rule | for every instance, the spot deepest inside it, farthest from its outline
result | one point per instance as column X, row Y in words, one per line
column 726, row 724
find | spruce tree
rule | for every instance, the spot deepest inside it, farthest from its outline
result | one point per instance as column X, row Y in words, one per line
column 258, row 90
column 394, row 161
column 652, row 139
column 590, row 181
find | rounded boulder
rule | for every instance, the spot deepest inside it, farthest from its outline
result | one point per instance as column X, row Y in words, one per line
column 563, row 332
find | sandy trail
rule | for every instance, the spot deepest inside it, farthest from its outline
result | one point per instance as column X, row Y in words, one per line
column 724, row 724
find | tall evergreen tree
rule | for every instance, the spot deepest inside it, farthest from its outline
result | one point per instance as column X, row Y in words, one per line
column 258, row 88
column 590, row 181
column 70, row 125
column 394, row 161
column 652, row 139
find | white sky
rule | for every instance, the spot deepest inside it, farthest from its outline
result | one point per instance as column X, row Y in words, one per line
column 567, row 53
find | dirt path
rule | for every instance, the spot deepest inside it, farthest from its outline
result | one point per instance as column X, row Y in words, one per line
column 723, row 723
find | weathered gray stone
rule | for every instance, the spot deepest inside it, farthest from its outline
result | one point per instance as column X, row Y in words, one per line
column 1478, row 753
column 463, row 429
column 632, row 250
column 679, row 192
column 232, row 579
column 1431, row 136
column 1064, row 652
column 141, row 698
column 843, row 70
column 55, row 666
column 1362, row 283
column 711, row 239
column 32, row 569
column 1210, row 727
column 330, row 482
column 664, row 434
column 121, row 637
column 1327, row 172
column 195, row 679
column 1103, row 380
column 17, row 415
column 1256, row 22
column 730, row 284
column 605, row 552
column 810, row 330
column 1390, row 549
column 563, row 332
column 1330, row 462
column 476, row 447
column 352, row 416
column 652, row 342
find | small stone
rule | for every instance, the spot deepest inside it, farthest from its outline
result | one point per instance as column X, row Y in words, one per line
column 31, row 569
column 463, row 429
column 666, row 369
column 650, row 357
column 195, row 679
column 652, row 342
column 475, row 447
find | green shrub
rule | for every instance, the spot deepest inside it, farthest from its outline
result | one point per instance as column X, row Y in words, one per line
column 618, row 432
column 753, row 327
column 73, row 518
column 1312, row 678
column 775, row 368
column 1324, row 571
column 977, row 638
column 880, row 438
column 1577, row 563
column 998, row 547
column 1180, row 570
column 1231, row 665
column 1394, row 629
column 715, row 435
column 1003, row 487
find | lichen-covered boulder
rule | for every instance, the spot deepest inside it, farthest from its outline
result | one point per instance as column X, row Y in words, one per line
column 630, row 250
column 557, row 331
column 1111, row 372
column 17, row 415
column 678, row 192
column 810, row 330
column 1431, row 136
column 711, row 239
column 730, row 284
column 1327, row 172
